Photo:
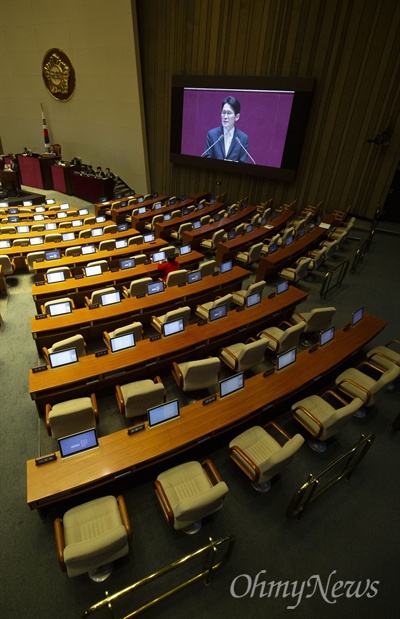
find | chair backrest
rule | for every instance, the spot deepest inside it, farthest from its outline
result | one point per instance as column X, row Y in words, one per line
column 135, row 327
column 142, row 395
column 107, row 245
column 139, row 258
column 207, row 267
column 46, row 306
column 76, row 341
column 205, row 219
column 255, row 252
column 9, row 230
column 200, row 374
column 302, row 268
column 157, row 218
column 88, row 221
column 186, row 226
column 319, row 318
column 32, row 257
column 180, row 312
column 287, row 232
column 139, row 286
column 198, row 507
column 37, row 228
column 71, row 416
column 103, row 263
column 319, row 257
column 290, row 337
column 176, row 277
column 281, row 457
column 225, row 300
column 85, row 234
column 176, row 213
column 256, row 287
column 135, row 240
column 77, row 249
column 217, row 237
column 251, row 354
column 110, row 229
column 6, row 265
column 21, row 241
column 53, row 238
column 331, row 247
column 334, row 422
column 96, row 294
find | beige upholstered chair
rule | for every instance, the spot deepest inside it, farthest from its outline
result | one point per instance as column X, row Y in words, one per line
column 135, row 398
column 197, row 375
column 46, row 307
column 54, row 237
column 239, row 297
column 289, row 231
column 251, row 256
column 176, row 277
column 211, row 244
column 7, row 265
column 32, row 257
column 159, row 218
column 96, row 296
column 241, row 357
column 135, row 327
column 321, row 419
column 203, row 311
column 71, row 416
column 261, row 453
column 88, row 221
column 85, row 234
column 107, row 245
column 20, row 241
column 317, row 260
column 189, row 492
column 280, row 340
column 359, row 384
column 298, row 272
column 177, row 234
column 103, row 263
column 8, row 230
column 181, row 312
column 110, row 229
column 207, row 267
column 91, row 536
column 135, row 240
column 384, row 356
column 316, row 320
column 137, row 286
column 139, row 258
column 73, row 251
column 331, row 247
column 75, row 341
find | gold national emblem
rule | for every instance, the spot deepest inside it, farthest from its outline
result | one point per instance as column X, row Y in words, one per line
column 58, row 74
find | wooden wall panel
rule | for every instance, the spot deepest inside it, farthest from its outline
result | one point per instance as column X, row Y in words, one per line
column 351, row 47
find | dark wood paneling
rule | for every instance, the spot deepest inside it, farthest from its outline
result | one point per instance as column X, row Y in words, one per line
column 351, row 47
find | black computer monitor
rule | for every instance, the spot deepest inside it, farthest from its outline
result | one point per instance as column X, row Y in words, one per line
column 13, row 211
column 77, row 222
column 68, row 236
column 173, row 327
column 122, row 342
column 301, row 233
column 141, row 199
column 289, row 240
column 64, row 206
column 61, row 215
column 121, row 243
column 78, row 443
column 123, row 204
column 38, row 209
column 158, row 256
column 156, row 206
column 88, row 249
column 55, row 276
column 200, row 206
column 36, row 240
column 5, row 244
column 51, row 225
column 148, row 238
column 97, row 232
column 28, row 203
column 14, row 219
column 163, row 413
column 63, row 357
column 122, row 227
column 83, row 211
column 217, row 217
column 194, row 276
column 253, row 299
column 226, row 266
column 155, row 287
column 231, row 385
column 249, row 228
column 50, row 201
column 92, row 270
column 184, row 249
column 357, row 316
column 327, row 335
column 167, row 216
column 109, row 298
column 196, row 224
column 218, row 312
column 282, row 286
column 103, row 199
column 231, row 234
column 38, row 217
column 272, row 248
column 100, row 219
column 58, row 309
column 285, row 359
column 127, row 263
column 23, row 229
column 141, row 210
column 232, row 212
column 52, row 254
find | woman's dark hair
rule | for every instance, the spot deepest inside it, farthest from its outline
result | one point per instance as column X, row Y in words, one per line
column 171, row 258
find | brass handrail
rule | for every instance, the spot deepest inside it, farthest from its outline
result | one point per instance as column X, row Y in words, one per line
column 210, row 566
column 326, row 283
column 311, row 490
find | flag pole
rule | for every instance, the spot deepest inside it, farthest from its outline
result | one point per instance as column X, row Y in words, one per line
column 45, row 132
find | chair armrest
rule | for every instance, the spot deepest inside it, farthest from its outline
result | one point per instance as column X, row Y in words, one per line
column 72, row 303
column 380, row 354
column 335, row 395
column 352, row 382
column 177, row 374
column 157, row 380
column 237, row 455
column 60, row 542
column 250, row 339
column 304, row 424
column 120, row 399
column 373, row 366
column 125, row 292
column 211, row 471
column 393, row 342
column 124, row 516
column 47, row 414
column 42, row 309
column 158, row 321
column 278, row 428
column 87, row 301
column 284, row 323
column 46, row 353
column 164, row 503
column 106, row 339
column 95, row 407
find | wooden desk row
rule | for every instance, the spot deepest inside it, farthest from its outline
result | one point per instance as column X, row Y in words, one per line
column 92, row 322
column 148, row 358
column 119, row 214
column 194, row 237
column 228, row 249
column 76, row 288
column 122, row 454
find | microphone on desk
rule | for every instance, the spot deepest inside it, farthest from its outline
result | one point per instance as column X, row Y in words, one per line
column 246, row 151
column 210, row 147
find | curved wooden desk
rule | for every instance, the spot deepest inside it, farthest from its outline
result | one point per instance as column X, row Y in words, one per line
column 140, row 220
column 122, row 454
column 164, row 229
column 194, row 237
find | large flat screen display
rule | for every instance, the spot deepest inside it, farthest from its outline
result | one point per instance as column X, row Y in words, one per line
column 266, row 118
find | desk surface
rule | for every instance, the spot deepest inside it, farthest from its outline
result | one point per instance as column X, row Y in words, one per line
column 164, row 229
column 118, row 214
column 120, row 453
column 194, row 237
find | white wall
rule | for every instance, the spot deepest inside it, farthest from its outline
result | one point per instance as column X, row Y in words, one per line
column 103, row 122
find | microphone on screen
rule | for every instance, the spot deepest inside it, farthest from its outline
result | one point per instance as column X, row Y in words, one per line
column 210, row 147
column 246, row 151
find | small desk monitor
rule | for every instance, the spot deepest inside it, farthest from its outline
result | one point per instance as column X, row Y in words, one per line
column 249, row 228
column 122, row 227
column 141, row 210
column 5, row 244
column 155, row 287
column 289, row 240
column 301, row 233
column 88, row 249
column 28, row 203
column 76, row 444
column 285, row 359
column 225, row 266
column 100, row 219
column 118, row 196
column 184, row 249
column 162, row 413
column 216, row 313
column 38, row 217
column 232, row 211
column 50, row 201
column 68, row 236
column 50, row 226
column 167, row 216
column 282, row 286
column 36, row 240
column 58, row 309
column 194, row 276
column 231, row 234
column 200, row 206
column 52, row 254
column 83, row 211
column 272, row 248
column 123, row 204
column 61, row 215
column 23, row 229
column 231, row 385
column 97, row 232
column 156, row 206
column 120, row 243
column 55, row 277
column 357, row 316
column 141, row 199
column 327, row 335
column 196, row 225
column 148, row 238
column 94, row 269
column 122, row 342
column 253, row 299
column 127, row 263
column 39, row 209
column 63, row 357
column 174, row 326
column 109, row 298
column 103, row 199
column 13, row 211
column 217, row 217
column 14, row 219
column 64, row 206
column 158, row 256
column 77, row 222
